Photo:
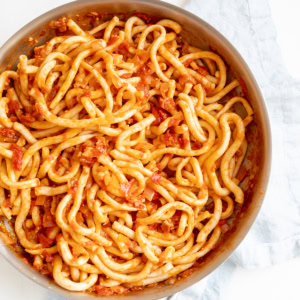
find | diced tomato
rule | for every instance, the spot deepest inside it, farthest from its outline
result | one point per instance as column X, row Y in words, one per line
column 16, row 157
column 187, row 62
column 48, row 257
column 13, row 106
column 123, row 49
column 168, row 104
column 126, row 188
column 156, row 197
column 138, row 204
column 155, row 177
column 143, row 70
column 27, row 118
column 196, row 145
column 183, row 142
column 159, row 114
column 100, row 144
column 149, row 193
column 8, row 135
column 46, row 242
column 141, row 87
column 76, row 250
column 166, row 226
column 142, row 55
column 170, row 139
column 112, row 40
column 7, row 132
column 155, row 204
column 208, row 89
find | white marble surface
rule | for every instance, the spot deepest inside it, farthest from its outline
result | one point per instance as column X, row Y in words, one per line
column 278, row 282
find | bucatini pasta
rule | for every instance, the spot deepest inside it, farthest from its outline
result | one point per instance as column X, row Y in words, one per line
column 121, row 153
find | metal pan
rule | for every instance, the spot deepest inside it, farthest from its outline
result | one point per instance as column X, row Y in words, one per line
column 258, row 160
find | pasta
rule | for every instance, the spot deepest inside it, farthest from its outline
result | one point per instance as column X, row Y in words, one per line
column 121, row 154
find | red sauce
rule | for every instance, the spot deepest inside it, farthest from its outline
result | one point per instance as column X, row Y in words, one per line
column 156, row 178
column 183, row 142
column 49, row 257
column 27, row 118
column 109, row 291
column 141, row 87
column 16, row 157
column 8, row 135
column 126, row 188
column 45, row 242
column 48, row 219
column 187, row 62
column 202, row 70
column 159, row 114
column 243, row 87
column 73, row 187
column 170, row 139
column 142, row 16
column 112, row 40
column 13, row 106
column 168, row 104
column 173, row 122
column 164, row 87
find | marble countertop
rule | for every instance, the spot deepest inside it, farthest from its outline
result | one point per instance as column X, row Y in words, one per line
column 277, row 282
